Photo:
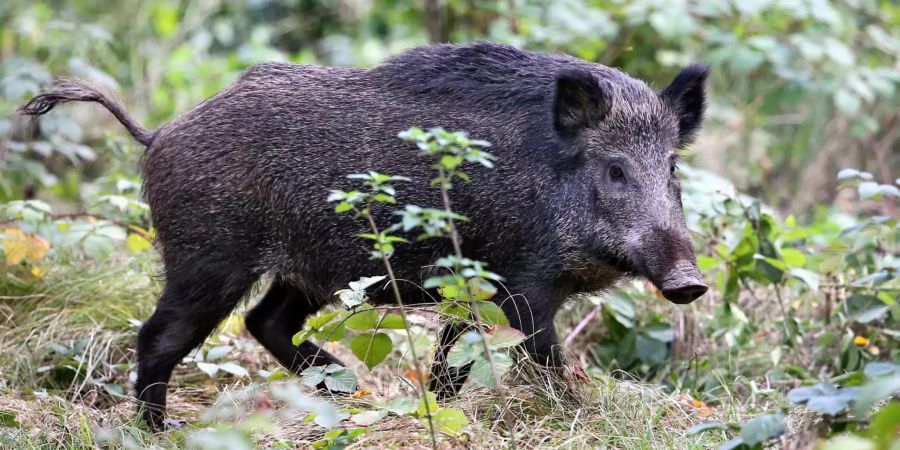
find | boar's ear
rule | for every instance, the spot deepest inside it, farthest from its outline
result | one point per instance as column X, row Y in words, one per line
column 580, row 101
column 687, row 96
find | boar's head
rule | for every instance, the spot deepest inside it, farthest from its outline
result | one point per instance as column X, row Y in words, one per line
column 619, row 183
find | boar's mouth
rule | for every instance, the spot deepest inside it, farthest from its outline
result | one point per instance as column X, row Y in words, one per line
column 621, row 264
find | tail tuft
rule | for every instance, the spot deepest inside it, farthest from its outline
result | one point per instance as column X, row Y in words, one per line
column 69, row 90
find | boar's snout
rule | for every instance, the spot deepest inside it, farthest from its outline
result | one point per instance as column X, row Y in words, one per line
column 682, row 284
column 666, row 258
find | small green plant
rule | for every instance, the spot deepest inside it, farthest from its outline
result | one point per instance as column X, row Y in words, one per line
column 465, row 290
column 840, row 409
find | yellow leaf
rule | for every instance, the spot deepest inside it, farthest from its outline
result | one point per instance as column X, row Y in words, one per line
column 38, row 272
column 14, row 245
column 137, row 243
column 19, row 246
column 361, row 392
column 37, row 249
column 861, row 341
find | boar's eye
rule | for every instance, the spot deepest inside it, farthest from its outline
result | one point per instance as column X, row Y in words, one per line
column 616, row 173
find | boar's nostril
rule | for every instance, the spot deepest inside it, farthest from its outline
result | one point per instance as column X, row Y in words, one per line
column 685, row 294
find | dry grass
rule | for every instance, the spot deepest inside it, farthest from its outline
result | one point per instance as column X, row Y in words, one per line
column 99, row 305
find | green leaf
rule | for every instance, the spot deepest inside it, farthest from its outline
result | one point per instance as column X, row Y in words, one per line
column 810, row 278
column 879, row 369
column 885, row 424
column 356, row 295
column 736, row 444
column 97, row 247
column 868, row 189
column 362, row 319
column 847, row 442
column 367, row 418
column 343, row 380
column 218, row 352
column 873, row 392
column 384, row 198
column 707, row 262
column 502, row 337
column 114, row 389
column 208, row 368
column 462, row 352
column 481, row 372
column 491, row 314
column 871, row 313
column 762, row 428
column 371, row 349
column 450, row 421
column 312, row 376
column 848, row 102
column 234, row 369
column 847, row 174
column 391, row 322
column 454, row 309
column 706, row 426
column 332, row 332
column 113, row 232
column 824, row 398
column 649, row 350
column 8, row 420
column 164, row 17
column 793, row 257
column 318, row 321
column 302, row 336
column 431, row 400
column 401, row 406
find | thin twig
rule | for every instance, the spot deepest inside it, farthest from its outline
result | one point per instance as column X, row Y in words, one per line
column 583, row 323
column 412, row 347
column 457, row 248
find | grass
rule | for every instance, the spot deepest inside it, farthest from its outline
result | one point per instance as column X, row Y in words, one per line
column 56, row 397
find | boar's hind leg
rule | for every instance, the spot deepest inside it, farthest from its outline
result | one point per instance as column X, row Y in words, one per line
column 277, row 317
column 446, row 381
column 193, row 302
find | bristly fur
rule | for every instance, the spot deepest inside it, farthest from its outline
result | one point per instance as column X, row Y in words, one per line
column 237, row 189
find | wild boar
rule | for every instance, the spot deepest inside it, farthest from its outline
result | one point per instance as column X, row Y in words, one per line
column 584, row 192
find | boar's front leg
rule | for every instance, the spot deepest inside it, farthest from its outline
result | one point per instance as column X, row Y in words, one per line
column 534, row 318
column 446, row 381
column 532, row 313
column 275, row 319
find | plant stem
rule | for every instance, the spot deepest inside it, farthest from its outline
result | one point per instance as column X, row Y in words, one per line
column 457, row 248
column 784, row 318
column 412, row 347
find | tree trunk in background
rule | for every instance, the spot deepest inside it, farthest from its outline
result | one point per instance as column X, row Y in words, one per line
column 434, row 21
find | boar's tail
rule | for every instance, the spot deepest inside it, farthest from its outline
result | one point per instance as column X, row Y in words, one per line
column 67, row 90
